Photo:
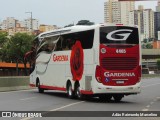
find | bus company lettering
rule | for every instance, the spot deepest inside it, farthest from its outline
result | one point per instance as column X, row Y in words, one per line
column 107, row 74
column 58, row 58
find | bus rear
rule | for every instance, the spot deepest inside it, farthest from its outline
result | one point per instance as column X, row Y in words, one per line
column 119, row 69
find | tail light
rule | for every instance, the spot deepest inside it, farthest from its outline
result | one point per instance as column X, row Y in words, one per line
column 139, row 73
column 98, row 74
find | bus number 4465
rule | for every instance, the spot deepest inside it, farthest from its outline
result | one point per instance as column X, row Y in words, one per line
column 120, row 51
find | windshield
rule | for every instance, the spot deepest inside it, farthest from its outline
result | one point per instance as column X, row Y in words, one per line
column 119, row 35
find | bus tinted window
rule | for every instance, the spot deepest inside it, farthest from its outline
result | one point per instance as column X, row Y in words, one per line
column 119, row 35
column 68, row 40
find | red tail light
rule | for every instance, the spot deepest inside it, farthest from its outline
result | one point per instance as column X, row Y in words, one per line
column 139, row 73
column 98, row 74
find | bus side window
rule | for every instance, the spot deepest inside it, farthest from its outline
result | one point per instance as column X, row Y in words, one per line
column 86, row 38
column 59, row 45
column 67, row 42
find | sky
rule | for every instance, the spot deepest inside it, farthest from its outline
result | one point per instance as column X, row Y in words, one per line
column 59, row 12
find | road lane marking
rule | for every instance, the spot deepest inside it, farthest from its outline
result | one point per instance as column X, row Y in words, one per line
column 56, row 109
column 17, row 91
column 151, row 103
column 28, row 98
column 67, row 106
column 147, row 106
column 144, row 109
column 151, row 85
column 158, row 98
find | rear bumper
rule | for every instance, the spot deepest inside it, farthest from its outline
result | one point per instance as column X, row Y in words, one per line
column 102, row 89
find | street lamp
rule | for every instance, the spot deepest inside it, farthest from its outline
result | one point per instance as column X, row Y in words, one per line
column 31, row 21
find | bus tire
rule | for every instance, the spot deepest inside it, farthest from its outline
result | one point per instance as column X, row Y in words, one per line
column 105, row 98
column 78, row 93
column 118, row 98
column 40, row 90
column 70, row 92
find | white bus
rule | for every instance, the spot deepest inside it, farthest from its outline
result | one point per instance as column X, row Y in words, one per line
column 101, row 60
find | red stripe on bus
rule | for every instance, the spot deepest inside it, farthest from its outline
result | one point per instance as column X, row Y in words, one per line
column 32, row 85
column 86, row 92
column 60, row 88
column 52, row 88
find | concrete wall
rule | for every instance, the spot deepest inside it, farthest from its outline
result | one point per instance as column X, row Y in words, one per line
column 150, row 51
column 14, row 83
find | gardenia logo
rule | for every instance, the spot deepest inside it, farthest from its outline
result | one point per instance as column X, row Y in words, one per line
column 107, row 74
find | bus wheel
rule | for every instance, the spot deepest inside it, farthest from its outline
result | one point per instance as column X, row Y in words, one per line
column 118, row 98
column 105, row 98
column 69, row 90
column 40, row 90
column 78, row 93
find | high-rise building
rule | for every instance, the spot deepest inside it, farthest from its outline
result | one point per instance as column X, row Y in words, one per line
column 157, row 19
column 112, row 11
column 126, row 7
column 0, row 26
column 158, row 6
column 144, row 18
column 10, row 22
column 156, row 23
column 117, row 12
column 31, row 24
column 148, row 20
column 12, row 26
column 136, row 18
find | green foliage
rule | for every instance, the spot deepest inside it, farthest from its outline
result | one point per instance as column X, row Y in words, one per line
column 143, row 46
column 13, row 49
column 149, row 46
column 20, row 43
column 3, row 38
column 5, row 52
column 158, row 64
column 145, row 40
column 85, row 22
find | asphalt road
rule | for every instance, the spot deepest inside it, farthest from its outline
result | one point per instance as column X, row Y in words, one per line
column 31, row 100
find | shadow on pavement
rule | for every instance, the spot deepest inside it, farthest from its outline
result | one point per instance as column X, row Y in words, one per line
column 87, row 99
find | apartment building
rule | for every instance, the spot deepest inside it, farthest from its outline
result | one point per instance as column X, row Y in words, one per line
column 144, row 18
column 45, row 28
column 157, row 19
column 17, row 29
column 118, row 12
column 10, row 22
column 31, row 24
column 136, row 18
column 148, row 20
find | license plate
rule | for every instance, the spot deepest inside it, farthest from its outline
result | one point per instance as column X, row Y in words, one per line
column 120, row 82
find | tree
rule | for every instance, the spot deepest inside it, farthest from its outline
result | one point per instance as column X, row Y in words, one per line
column 145, row 40
column 85, row 22
column 3, row 38
column 149, row 46
column 69, row 25
column 143, row 46
column 5, row 52
column 19, row 44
